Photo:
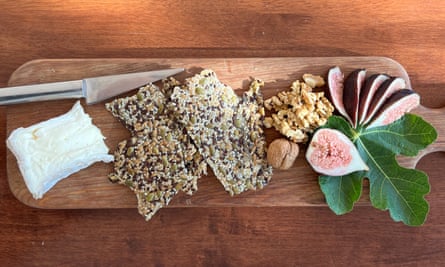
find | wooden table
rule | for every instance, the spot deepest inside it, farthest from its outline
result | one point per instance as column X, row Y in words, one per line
column 410, row 32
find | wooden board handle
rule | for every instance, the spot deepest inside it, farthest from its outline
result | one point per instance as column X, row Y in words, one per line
column 435, row 117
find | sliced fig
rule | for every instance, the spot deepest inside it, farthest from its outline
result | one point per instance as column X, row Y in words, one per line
column 372, row 83
column 395, row 107
column 351, row 94
column 335, row 90
column 388, row 87
column 330, row 152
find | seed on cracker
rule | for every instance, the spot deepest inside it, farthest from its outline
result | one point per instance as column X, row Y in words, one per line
column 159, row 160
column 226, row 129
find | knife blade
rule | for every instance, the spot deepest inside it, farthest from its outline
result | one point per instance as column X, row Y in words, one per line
column 94, row 90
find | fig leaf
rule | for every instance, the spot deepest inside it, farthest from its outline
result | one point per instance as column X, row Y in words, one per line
column 392, row 187
column 341, row 192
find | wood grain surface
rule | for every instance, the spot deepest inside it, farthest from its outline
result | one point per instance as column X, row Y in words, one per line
column 410, row 32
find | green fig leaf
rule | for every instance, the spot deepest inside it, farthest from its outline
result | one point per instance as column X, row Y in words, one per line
column 406, row 136
column 392, row 187
column 341, row 192
column 341, row 124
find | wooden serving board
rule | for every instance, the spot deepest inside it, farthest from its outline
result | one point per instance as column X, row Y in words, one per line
column 90, row 187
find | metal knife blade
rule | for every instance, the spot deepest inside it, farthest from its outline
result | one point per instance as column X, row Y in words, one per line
column 94, row 89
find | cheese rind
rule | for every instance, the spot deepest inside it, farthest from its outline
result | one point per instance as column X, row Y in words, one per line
column 52, row 150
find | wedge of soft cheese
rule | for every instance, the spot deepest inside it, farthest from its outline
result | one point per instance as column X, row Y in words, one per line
column 50, row 151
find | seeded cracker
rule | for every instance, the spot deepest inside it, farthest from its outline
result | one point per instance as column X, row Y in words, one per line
column 227, row 130
column 159, row 159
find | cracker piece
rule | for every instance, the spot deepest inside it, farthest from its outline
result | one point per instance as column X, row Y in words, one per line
column 138, row 112
column 159, row 159
column 227, row 130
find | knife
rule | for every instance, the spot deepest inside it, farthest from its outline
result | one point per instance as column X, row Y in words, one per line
column 94, row 89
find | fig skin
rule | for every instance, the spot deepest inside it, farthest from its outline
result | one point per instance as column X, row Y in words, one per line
column 372, row 83
column 351, row 94
column 332, row 153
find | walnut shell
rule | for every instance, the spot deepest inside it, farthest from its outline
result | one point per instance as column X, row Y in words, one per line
column 282, row 153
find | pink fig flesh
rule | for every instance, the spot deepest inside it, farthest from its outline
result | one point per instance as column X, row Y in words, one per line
column 395, row 107
column 332, row 153
column 351, row 94
column 367, row 93
column 335, row 90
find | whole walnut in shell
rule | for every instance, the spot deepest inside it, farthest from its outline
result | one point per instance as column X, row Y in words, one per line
column 281, row 153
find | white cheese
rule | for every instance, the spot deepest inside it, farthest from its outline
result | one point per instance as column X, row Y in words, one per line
column 50, row 151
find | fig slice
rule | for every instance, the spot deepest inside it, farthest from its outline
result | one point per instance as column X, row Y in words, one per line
column 335, row 90
column 351, row 94
column 332, row 153
column 372, row 83
column 388, row 87
column 395, row 107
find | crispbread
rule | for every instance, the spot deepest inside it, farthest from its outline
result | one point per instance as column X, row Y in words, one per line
column 139, row 112
column 159, row 159
column 226, row 129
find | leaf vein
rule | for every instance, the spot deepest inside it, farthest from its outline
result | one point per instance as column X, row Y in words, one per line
column 386, row 179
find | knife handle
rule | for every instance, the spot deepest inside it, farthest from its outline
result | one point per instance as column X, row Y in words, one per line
column 40, row 92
